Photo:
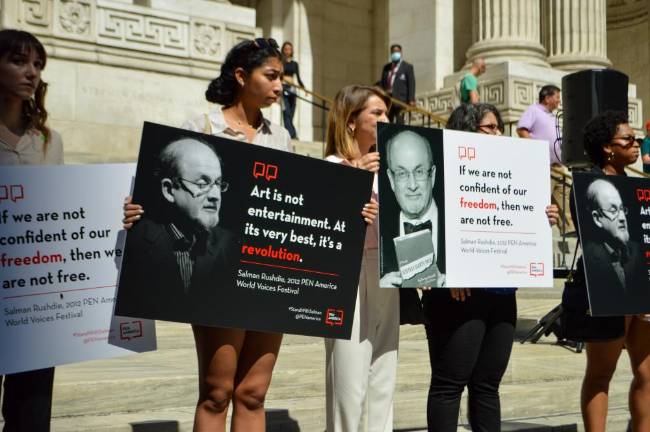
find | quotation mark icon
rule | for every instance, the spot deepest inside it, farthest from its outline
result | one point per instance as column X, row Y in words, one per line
column 466, row 153
column 12, row 192
column 267, row 171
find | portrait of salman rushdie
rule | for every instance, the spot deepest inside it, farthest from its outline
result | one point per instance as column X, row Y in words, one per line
column 178, row 260
column 410, row 259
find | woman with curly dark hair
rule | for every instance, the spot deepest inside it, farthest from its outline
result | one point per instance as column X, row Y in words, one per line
column 610, row 144
column 25, row 140
column 470, row 330
column 236, row 365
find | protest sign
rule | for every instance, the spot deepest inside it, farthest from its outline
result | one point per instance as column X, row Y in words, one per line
column 239, row 235
column 60, row 249
column 468, row 208
column 614, row 226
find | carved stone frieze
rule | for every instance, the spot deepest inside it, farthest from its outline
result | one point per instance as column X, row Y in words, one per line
column 128, row 34
column 74, row 19
column 207, row 40
column 142, row 32
column 35, row 15
column 493, row 92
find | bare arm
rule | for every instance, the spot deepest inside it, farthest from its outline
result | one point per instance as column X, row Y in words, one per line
column 523, row 133
column 473, row 97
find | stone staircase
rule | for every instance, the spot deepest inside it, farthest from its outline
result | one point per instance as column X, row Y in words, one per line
column 541, row 385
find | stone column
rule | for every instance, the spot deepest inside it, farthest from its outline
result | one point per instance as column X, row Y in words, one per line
column 576, row 34
column 507, row 30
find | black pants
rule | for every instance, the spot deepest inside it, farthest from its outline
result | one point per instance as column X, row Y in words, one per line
column 469, row 345
column 396, row 114
column 288, row 110
column 27, row 403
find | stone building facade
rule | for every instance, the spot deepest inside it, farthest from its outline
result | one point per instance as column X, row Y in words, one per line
column 116, row 63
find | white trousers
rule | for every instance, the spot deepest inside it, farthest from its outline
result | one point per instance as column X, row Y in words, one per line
column 361, row 373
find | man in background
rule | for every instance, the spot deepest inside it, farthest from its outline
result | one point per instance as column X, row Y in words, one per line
column 398, row 80
column 469, row 83
column 539, row 122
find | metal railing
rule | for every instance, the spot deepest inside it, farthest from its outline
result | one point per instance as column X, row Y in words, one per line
column 317, row 100
column 416, row 115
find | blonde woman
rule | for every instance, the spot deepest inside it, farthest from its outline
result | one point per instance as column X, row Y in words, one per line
column 361, row 372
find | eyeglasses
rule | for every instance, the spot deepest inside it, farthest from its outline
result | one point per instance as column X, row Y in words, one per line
column 614, row 212
column 419, row 174
column 492, row 127
column 203, row 187
column 266, row 43
column 629, row 139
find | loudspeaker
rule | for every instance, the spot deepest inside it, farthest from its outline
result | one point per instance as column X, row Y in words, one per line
column 584, row 95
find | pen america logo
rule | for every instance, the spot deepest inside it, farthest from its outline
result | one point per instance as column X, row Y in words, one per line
column 334, row 317
column 130, row 330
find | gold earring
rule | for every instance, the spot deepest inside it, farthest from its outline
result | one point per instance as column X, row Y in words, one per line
column 610, row 156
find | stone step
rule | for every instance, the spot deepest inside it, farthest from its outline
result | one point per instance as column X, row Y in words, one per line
column 542, row 380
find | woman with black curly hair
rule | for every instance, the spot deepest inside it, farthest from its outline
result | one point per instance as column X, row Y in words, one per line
column 610, row 144
column 236, row 365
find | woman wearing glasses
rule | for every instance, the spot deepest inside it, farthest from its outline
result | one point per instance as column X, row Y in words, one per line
column 471, row 330
column 236, row 365
column 25, row 140
column 361, row 372
column 610, row 144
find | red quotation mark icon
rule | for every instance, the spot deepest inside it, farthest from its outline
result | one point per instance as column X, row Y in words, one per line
column 643, row 195
column 267, row 171
column 130, row 330
column 334, row 317
column 537, row 269
column 466, row 153
column 12, row 192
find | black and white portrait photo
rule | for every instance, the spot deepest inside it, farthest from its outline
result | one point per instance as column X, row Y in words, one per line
column 411, row 194
column 617, row 278
column 178, row 258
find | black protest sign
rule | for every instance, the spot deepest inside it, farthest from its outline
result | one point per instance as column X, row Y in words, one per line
column 613, row 215
column 243, row 236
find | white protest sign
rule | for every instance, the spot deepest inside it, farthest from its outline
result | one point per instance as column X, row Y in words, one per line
column 61, row 244
column 496, row 193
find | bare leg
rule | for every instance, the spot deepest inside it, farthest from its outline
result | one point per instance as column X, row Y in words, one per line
column 637, row 342
column 217, row 350
column 601, row 364
column 256, row 362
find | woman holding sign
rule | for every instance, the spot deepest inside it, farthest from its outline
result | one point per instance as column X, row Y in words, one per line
column 610, row 144
column 236, row 365
column 363, row 368
column 471, row 330
column 25, row 140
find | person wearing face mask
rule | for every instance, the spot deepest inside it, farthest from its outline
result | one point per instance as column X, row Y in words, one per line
column 470, row 331
column 398, row 80
column 25, row 139
column 361, row 372
column 235, row 365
